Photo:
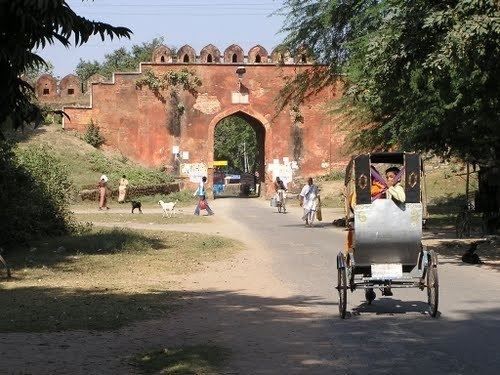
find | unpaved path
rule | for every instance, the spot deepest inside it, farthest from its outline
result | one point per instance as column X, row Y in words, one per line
column 274, row 305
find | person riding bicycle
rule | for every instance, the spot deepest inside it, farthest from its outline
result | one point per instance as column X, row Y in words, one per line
column 280, row 188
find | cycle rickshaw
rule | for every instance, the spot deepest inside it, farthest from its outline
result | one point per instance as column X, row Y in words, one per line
column 387, row 251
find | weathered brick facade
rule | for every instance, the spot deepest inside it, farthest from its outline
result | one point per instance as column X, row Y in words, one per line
column 135, row 122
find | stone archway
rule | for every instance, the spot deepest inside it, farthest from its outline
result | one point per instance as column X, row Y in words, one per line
column 259, row 124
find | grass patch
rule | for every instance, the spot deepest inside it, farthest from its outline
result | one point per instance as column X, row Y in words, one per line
column 183, row 198
column 327, row 201
column 332, row 201
column 196, row 360
column 85, row 164
column 140, row 218
column 103, row 279
column 333, row 175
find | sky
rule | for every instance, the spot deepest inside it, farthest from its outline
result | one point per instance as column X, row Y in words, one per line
column 179, row 22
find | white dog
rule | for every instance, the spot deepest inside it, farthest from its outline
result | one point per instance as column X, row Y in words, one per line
column 168, row 208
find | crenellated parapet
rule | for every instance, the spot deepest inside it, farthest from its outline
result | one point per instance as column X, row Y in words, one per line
column 46, row 87
column 210, row 55
column 71, row 89
column 233, row 54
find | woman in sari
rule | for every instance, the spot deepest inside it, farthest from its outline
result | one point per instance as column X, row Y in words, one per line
column 122, row 189
column 102, row 186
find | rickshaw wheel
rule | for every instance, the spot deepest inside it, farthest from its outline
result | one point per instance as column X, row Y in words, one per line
column 279, row 208
column 342, row 288
column 433, row 290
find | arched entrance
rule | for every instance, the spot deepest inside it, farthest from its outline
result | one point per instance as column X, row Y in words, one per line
column 238, row 154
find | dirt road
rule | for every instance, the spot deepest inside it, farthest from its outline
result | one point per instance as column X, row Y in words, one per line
column 275, row 306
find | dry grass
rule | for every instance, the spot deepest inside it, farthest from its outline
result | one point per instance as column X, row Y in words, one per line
column 199, row 359
column 103, row 279
column 148, row 218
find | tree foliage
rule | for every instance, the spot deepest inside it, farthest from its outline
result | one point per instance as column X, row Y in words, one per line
column 230, row 134
column 120, row 60
column 92, row 134
column 26, row 26
column 31, row 74
column 418, row 75
column 35, row 195
column 174, row 82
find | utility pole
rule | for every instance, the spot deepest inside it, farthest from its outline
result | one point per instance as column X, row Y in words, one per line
column 245, row 160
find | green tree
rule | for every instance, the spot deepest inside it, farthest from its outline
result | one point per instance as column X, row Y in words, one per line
column 35, row 193
column 120, row 60
column 26, row 26
column 85, row 69
column 33, row 73
column 230, row 134
column 92, row 135
column 418, row 75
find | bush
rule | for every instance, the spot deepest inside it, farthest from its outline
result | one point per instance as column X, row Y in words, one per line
column 136, row 175
column 34, row 194
column 133, row 192
column 333, row 175
column 92, row 135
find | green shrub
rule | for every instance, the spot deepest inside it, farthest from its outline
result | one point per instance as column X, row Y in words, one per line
column 92, row 135
column 333, row 175
column 140, row 176
column 35, row 193
column 136, row 175
column 98, row 162
column 182, row 196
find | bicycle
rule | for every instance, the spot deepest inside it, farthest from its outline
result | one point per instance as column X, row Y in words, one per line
column 4, row 269
column 463, row 221
column 281, row 201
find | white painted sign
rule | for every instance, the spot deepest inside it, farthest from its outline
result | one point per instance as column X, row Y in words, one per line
column 195, row 171
column 239, row 98
column 387, row 271
column 283, row 171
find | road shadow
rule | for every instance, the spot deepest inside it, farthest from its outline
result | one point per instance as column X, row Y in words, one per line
column 62, row 250
column 321, row 225
column 451, row 252
column 267, row 335
column 390, row 306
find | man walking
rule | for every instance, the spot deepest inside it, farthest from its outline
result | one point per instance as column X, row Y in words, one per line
column 309, row 200
column 202, row 199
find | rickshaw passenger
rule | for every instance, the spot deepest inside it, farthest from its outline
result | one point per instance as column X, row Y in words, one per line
column 394, row 188
column 394, row 191
column 376, row 189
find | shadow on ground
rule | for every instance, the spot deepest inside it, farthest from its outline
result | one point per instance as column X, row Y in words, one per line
column 60, row 250
column 266, row 335
column 451, row 252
